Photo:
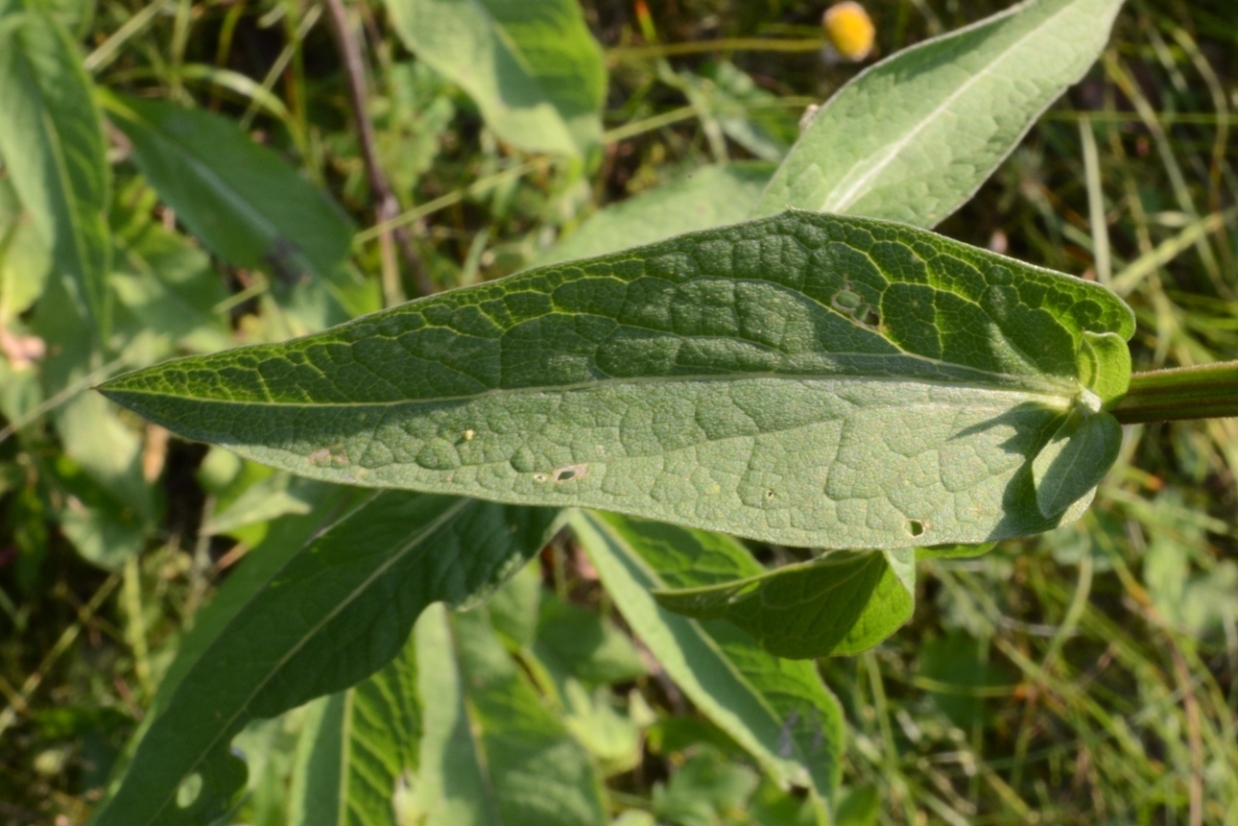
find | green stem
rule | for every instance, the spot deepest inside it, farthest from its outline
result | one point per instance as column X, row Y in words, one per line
column 1206, row 392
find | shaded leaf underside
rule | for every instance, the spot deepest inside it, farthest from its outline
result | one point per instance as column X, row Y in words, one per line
column 803, row 379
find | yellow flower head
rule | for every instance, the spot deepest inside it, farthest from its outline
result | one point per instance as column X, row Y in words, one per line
column 850, row 29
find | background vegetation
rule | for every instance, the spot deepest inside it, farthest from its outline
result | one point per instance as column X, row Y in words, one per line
column 1090, row 675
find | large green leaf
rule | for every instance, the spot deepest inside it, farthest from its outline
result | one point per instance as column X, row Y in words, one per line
column 241, row 199
column 843, row 603
column 912, row 138
column 53, row 148
column 531, row 65
column 779, row 710
column 708, row 197
column 803, row 379
column 333, row 613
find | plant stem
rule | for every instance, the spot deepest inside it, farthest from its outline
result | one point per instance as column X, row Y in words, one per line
column 1206, row 392
column 387, row 205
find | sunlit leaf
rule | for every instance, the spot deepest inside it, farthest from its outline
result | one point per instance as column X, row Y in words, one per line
column 803, row 379
column 912, row 138
column 24, row 258
column 52, row 143
column 532, row 66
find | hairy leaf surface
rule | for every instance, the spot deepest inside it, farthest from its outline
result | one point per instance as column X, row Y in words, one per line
column 779, row 710
column 241, row 199
column 843, row 603
column 53, row 148
column 803, row 379
column 912, row 138
column 332, row 614
column 532, row 66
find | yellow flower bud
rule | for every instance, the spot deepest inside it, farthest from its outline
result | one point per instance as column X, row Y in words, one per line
column 849, row 29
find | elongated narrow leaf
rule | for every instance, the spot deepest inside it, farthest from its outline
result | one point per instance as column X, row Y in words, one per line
column 709, row 197
column 531, row 65
column 843, row 603
column 285, row 538
column 25, row 261
column 777, row 709
column 358, row 753
column 912, row 138
column 491, row 753
column 53, row 149
column 241, row 199
column 803, row 379
column 333, row 613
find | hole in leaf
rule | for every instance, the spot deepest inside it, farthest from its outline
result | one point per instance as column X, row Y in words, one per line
column 915, row 527
column 566, row 474
column 189, row 789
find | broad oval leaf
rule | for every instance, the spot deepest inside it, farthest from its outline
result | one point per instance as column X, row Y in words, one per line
column 779, row 710
column 532, row 66
column 242, row 200
column 803, row 379
column 328, row 616
column 913, row 137
column 52, row 143
column 843, row 603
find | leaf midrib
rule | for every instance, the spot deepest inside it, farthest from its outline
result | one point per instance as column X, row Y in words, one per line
column 416, row 540
column 609, row 534
column 204, row 171
column 1042, row 394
